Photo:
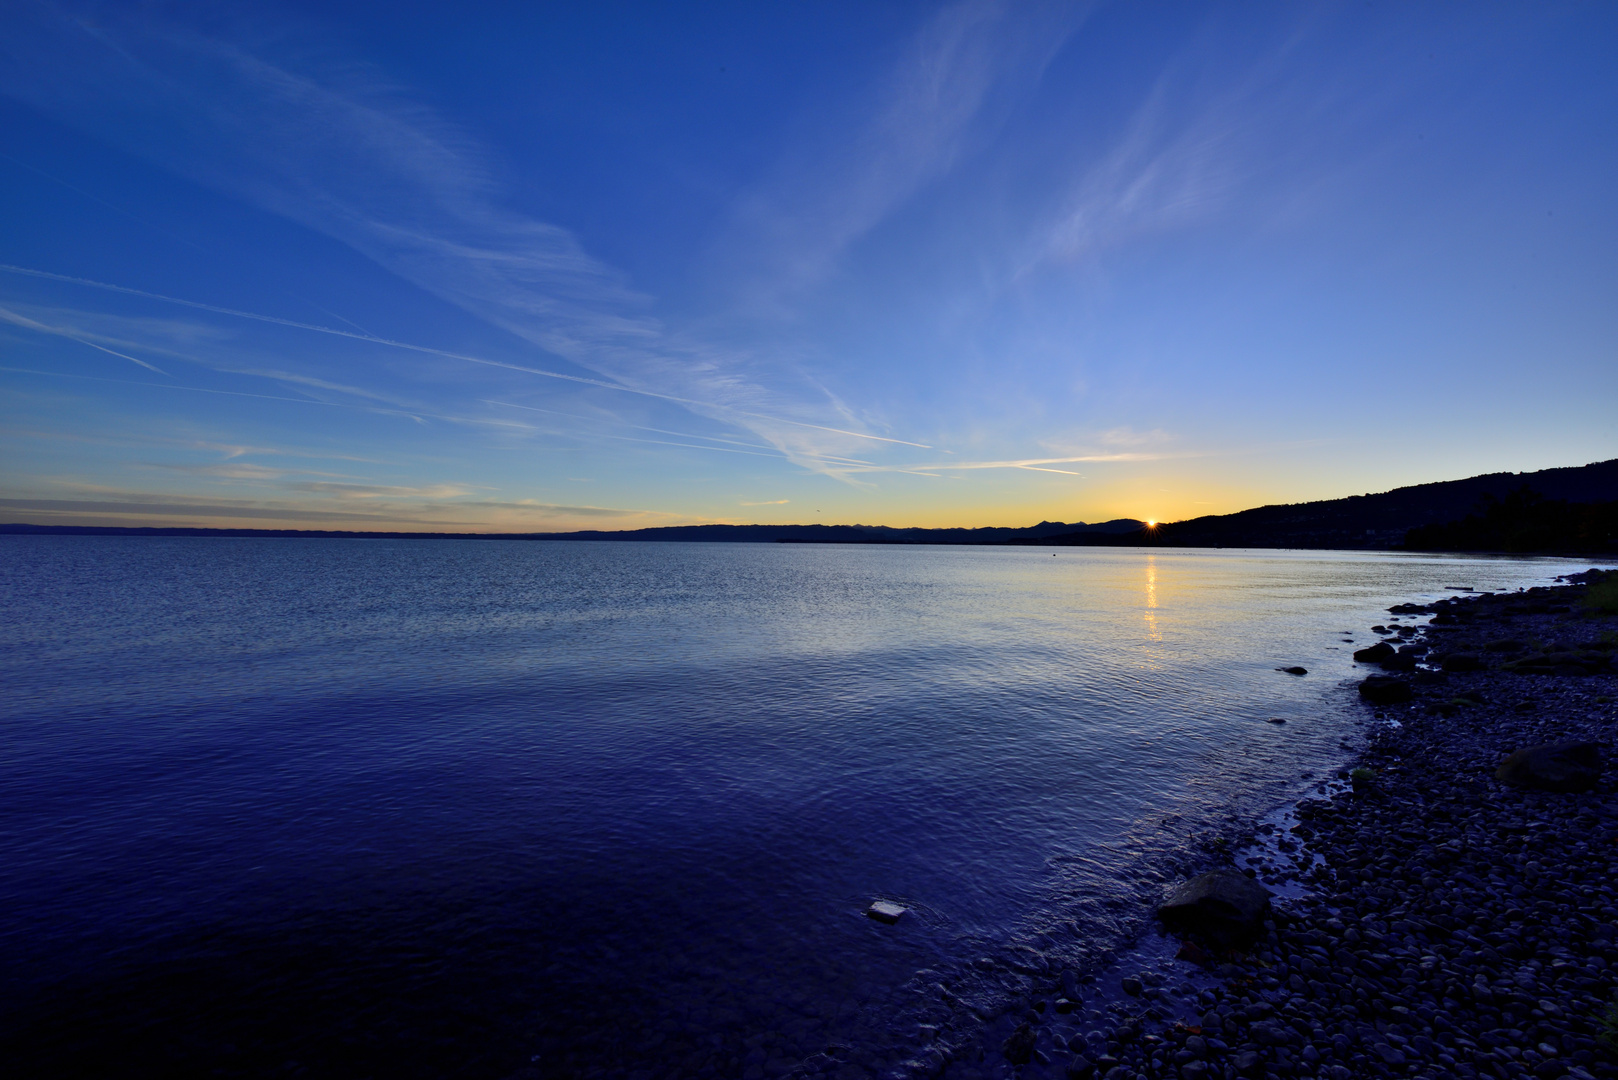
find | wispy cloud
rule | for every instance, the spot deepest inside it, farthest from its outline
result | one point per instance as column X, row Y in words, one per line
column 708, row 408
column 366, row 506
column 1163, row 173
column 1154, row 443
column 149, row 505
column 230, row 451
column 337, row 148
column 768, row 502
column 1030, row 464
column 209, row 390
column 17, row 319
column 375, row 491
column 235, row 471
column 1193, row 150
column 936, row 105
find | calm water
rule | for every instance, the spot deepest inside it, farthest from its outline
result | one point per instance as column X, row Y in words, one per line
column 448, row 808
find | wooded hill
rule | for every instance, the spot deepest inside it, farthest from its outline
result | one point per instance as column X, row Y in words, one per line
column 1545, row 516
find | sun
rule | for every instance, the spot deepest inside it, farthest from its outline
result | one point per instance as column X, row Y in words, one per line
column 1151, row 524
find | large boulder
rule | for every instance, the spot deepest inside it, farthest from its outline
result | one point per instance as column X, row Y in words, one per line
column 1374, row 654
column 1385, row 690
column 1221, row 905
column 1565, row 766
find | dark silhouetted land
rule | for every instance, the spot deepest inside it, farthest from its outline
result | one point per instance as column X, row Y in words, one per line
column 1572, row 510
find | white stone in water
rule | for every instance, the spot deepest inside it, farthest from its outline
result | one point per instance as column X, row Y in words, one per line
column 884, row 911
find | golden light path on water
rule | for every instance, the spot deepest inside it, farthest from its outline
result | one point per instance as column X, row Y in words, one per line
column 1153, row 634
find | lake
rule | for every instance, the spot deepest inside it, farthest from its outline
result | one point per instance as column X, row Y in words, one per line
column 343, row 808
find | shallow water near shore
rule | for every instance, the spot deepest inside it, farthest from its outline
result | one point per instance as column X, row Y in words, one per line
column 456, row 807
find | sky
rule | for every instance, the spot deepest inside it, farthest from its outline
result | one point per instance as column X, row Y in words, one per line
column 552, row 266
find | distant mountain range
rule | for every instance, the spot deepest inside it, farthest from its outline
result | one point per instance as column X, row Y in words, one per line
column 1571, row 509
column 732, row 534
column 861, row 534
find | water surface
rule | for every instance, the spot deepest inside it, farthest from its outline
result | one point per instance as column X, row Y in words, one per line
column 434, row 808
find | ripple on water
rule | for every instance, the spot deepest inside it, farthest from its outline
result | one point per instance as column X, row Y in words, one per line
column 437, row 807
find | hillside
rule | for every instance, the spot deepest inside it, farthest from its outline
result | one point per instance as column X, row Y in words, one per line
column 1378, row 521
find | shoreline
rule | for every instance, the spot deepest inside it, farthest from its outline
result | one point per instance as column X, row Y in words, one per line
column 1096, row 536
column 1431, row 922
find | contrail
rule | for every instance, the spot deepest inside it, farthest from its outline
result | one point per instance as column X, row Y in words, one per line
column 23, row 270
column 21, row 320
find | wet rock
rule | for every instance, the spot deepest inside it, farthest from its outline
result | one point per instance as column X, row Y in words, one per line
column 1385, row 690
column 1272, row 1034
column 885, row 911
column 1374, row 654
column 1463, row 661
column 1223, row 905
column 1565, row 766
column 1194, row 953
column 1294, row 670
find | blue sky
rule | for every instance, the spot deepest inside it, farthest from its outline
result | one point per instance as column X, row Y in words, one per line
column 513, row 266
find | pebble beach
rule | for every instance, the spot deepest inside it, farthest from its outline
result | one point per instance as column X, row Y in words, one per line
column 1428, row 918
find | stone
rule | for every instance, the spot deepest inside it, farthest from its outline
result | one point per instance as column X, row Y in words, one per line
column 1196, row 954
column 1385, row 690
column 1019, row 1047
column 1463, row 661
column 1221, row 904
column 1374, row 654
column 1294, row 670
column 885, row 911
column 1565, row 766
column 1391, row 1055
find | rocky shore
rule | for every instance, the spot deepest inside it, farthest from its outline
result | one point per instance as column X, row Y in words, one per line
column 1431, row 917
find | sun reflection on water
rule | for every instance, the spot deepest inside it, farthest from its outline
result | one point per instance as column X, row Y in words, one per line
column 1152, row 632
